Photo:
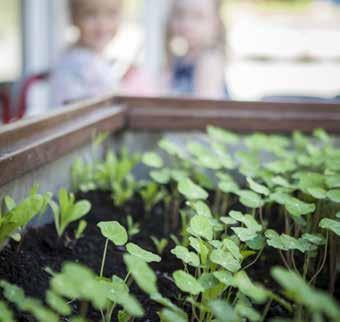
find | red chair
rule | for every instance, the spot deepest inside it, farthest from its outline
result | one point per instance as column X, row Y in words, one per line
column 24, row 88
column 4, row 104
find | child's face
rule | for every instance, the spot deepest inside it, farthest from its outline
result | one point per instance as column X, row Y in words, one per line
column 195, row 21
column 98, row 22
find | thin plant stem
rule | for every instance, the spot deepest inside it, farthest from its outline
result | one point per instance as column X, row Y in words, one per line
column 305, row 266
column 255, row 260
column 217, row 200
column 282, row 302
column 104, row 258
column 83, row 309
column 287, row 224
column 102, row 315
column 322, row 264
column 224, row 205
column 127, row 277
column 266, row 310
column 332, row 264
column 110, row 312
column 293, row 262
column 284, row 260
column 261, row 216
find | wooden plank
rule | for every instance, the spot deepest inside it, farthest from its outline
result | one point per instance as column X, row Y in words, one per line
column 186, row 114
column 21, row 132
column 51, row 137
column 29, row 144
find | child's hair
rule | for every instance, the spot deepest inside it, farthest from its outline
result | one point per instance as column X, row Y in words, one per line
column 73, row 8
column 75, row 5
column 219, row 43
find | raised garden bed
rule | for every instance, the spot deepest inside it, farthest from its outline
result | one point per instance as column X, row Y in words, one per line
column 221, row 227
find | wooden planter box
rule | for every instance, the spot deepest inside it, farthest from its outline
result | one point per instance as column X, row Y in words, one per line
column 40, row 149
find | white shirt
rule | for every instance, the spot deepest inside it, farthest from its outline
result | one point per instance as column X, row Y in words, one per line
column 80, row 74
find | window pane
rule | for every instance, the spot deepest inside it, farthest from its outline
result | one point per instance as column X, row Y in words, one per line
column 10, row 40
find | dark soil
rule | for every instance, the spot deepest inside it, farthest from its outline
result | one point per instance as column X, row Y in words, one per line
column 23, row 264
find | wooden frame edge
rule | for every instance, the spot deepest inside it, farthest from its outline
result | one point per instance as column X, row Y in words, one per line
column 31, row 143
column 36, row 150
column 188, row 114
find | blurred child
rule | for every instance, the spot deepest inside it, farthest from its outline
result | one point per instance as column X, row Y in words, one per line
column 196, row 45
column 83, row 71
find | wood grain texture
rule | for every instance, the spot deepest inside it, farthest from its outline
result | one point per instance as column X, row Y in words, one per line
column 31, row 143
column 188, row 114
column 27, row 145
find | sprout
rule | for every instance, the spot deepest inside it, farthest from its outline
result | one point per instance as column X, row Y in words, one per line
column 68, row 210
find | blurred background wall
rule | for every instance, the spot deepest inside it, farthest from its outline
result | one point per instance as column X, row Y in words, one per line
column 275, row 47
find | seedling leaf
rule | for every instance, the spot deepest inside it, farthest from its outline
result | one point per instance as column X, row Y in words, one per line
column 142, row 254
column 225, row 259
column 258, row 188
column 114, row 231
column 152, row 160
column 334, row 195
column 186, row 256
column 330, row 224
column 201, row 226
column 187, row 283
column 250, row 199
column 142, row 274
column 190, row 190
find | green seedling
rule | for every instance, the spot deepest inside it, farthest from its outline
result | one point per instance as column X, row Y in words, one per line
column 74, row 281
column 113, row 231
column 312, row 303
column 160, row 244
column 152, row 193
column 83, row 176
column 17, row 297
column 80, row 229
column 133, row 227
column 16, row 216
column 68, row 210
column 6, row 315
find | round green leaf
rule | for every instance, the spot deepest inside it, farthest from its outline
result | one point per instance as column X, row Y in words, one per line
column 334, row 195
column 258, row 188
column 222, row 135
column 228, row 186
column 256, row 292
column 201, row 208
column 333, row 181
column 190, row 190
column 142, row 254
column 224, row 277
column 186, row 256
column 297, row 207
column 331, row 225
column 114, row 231
column 187, row 283
column 202, row 227
column 162, row 176
column 152, row 160
column 317, row 193
column 223, row 311
column 57, row 303
column 232, row 248
column 142, row 274
column 225, row 259
column 244, row 234
column 250, row 199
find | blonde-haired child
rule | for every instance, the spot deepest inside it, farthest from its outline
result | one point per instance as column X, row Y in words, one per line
column 83, row 71
column 196, row 46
